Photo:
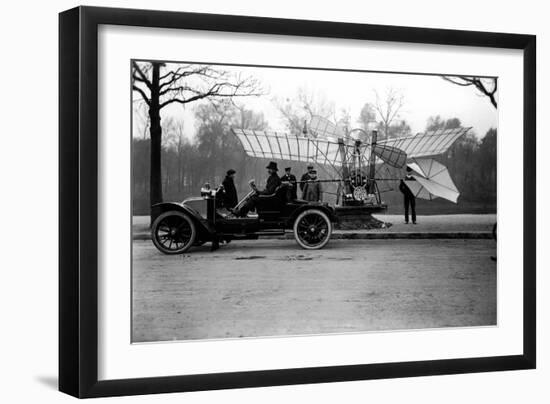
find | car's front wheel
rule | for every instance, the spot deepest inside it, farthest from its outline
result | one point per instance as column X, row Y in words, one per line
column 173, row 232
column 312, row 229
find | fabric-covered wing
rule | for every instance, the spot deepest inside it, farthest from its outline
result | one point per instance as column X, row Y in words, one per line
column 280, row 145
column 419, row 191
column 434, row 178
column 387, row 177
column 324, row 128
column 435, row 189
column 391, row 155
column 430, row 143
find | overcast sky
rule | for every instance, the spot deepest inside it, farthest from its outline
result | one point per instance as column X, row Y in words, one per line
column 424, row 96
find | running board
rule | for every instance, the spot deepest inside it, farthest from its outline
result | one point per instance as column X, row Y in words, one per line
column 252, row 236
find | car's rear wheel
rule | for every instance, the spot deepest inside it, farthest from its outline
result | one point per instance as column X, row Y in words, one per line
column 173, row 232
column 312, row 229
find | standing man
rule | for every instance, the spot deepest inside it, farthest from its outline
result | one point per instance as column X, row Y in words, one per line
column 230, row 198
column 305, row 177
column 313, row 192
column 409, row 198
column 291, row 179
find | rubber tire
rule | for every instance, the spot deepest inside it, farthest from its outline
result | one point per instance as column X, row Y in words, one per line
column 295, row 227
column 187, row 218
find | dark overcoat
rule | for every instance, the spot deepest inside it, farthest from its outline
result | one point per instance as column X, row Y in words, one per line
column 273, row 181
column 292, row 191
column 305, row 177
column 230, row 198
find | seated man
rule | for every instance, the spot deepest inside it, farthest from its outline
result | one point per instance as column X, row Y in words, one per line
column 273, row 181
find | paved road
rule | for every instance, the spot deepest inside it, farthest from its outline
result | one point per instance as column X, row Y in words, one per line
column 272, row 287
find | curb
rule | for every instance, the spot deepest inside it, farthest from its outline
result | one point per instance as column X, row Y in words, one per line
column 350, row 235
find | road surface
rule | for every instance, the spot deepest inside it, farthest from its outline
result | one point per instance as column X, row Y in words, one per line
column 272, row 287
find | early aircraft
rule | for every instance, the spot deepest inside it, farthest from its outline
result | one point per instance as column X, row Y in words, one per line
column 358, row 161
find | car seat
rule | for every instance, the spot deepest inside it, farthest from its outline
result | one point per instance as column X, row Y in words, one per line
column 274, row 202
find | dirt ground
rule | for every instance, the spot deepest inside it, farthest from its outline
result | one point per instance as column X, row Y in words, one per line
column 272, row 287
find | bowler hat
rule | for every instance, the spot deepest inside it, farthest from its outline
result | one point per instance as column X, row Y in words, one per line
column 288, row 168
column 310, row 166
column 231, row 171
column 272, row 166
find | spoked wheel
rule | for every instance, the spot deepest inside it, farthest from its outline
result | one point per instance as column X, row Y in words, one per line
column 312, row 229
column 173, row 232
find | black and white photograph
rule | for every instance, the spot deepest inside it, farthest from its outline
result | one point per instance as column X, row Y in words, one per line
column 273, row 201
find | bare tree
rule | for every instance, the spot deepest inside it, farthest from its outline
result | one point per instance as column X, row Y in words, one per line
column 316, row 104
column 388, row 108
column 305, row 105
column 486, row 86
column 161, row 84
column 140, row 119
column 367, row 116
column 249, row 119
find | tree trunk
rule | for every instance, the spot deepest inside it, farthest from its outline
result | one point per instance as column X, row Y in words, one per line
column 156, row 138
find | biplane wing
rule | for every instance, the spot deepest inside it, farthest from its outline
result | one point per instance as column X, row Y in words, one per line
column 430, row 143
column 284, row 146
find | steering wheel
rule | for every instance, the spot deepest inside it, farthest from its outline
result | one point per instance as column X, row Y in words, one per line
column 246, row 198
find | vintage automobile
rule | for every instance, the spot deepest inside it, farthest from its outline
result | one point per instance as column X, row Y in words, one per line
column 197, row 220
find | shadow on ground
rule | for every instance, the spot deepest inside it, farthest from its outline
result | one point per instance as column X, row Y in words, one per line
column 48, row 381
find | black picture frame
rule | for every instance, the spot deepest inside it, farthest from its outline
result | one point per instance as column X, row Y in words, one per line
column 78, row 206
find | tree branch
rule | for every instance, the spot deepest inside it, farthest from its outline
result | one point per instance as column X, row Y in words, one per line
column 143, row 95
column 466, row 81
column 140, row 75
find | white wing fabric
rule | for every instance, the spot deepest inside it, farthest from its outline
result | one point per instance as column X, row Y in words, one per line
column 430, row 143
column 324, row 128
column 432, row 180
column 390, row 155
column 280, row 145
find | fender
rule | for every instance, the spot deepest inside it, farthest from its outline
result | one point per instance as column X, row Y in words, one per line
column 202, row 224
column 323, row 207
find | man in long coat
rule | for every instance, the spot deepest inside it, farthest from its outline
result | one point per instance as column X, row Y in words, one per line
column 305, row 177
column 230, row 198
column 313, row 191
